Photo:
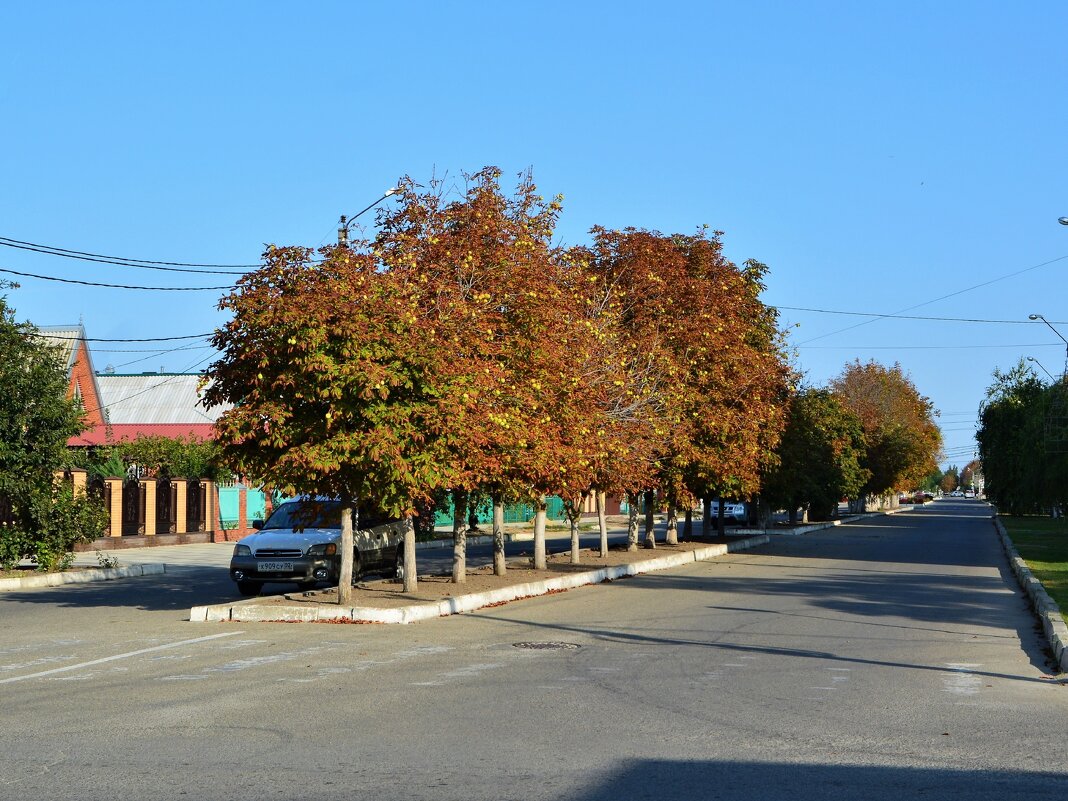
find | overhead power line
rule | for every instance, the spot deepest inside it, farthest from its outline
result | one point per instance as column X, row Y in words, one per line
column 908, row 316
column 220, row 269
column 143, row 339
column 119, row 286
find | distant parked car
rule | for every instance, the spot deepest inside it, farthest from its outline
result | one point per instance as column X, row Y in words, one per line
column 736, row 512
column 299, row 544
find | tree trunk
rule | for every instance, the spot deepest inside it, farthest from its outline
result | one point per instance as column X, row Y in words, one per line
column 632, row 521
column 539, row 534
column 500, row 564
column 721, row 516
column 573, row 519
column 687, row 526
column 706, row 518
column 602, row 523
column 672, row 535
column 410, row 580
column 344, row 581
column 459, row 536
column 650, row 522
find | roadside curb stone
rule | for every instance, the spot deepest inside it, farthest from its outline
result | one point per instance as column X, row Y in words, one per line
column 249, row 611
column 1049, row 613
column 80, row 576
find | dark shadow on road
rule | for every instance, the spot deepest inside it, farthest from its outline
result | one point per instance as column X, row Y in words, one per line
column 171, row 591
column 746, row 781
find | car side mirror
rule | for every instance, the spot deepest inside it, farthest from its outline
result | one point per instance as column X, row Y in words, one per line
column 257, row 524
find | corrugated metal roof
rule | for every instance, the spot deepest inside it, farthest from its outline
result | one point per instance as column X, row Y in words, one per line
column 155, row 398
column 66, row 338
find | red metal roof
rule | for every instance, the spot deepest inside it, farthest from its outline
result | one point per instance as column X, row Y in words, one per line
column 99, row 435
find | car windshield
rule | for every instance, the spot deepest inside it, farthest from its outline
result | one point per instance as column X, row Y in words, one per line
column 305, row 514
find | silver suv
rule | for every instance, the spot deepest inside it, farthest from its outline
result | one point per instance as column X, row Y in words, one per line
column 731, row 511
column 299, row 543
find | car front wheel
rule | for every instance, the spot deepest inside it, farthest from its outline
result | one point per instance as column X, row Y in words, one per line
column 249, row 587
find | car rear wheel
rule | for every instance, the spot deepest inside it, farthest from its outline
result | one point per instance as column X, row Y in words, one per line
column 397, row 571
column 249, row 587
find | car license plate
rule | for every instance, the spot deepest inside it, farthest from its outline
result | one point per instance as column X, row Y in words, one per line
column 275, row 567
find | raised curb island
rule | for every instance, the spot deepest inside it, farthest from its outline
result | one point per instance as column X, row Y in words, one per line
column 1046, row 608
column 80, row 576
column 250, row 611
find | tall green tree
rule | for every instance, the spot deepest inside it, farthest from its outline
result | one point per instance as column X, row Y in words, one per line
column 819, row 457
column 1023, row 442
column 36, row 421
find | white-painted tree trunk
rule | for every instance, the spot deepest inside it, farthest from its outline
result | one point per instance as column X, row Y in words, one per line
column 410, row 580
column 672, row 535
column 459, row 537
column 632, row 521
column 344, row 585
column 602, row 522
column 650, row 521
column 500, row 564
column 539, row 535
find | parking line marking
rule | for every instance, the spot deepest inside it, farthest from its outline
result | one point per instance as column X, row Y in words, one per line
column 120, row 656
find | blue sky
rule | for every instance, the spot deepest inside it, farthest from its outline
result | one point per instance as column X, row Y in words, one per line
column 889, row 158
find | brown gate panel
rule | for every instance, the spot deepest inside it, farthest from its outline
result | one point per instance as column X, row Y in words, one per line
column 195, row 507
column 133, row 508
column 166, row 507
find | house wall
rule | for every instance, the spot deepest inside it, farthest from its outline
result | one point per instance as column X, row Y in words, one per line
column 81, row 381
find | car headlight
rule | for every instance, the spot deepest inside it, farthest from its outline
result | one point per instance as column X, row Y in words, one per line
column 324, row 549
column 242, row 550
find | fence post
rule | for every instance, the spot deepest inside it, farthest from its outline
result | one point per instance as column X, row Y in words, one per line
column 181, row 487
column 113, row 490
column 149, row 487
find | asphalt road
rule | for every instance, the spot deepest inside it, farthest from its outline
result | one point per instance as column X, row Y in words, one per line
column 888, row 659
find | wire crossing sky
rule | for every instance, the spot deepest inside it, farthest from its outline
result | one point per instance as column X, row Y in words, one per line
column 879, row 157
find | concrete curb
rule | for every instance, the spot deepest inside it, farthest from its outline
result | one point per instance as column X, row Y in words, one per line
column 248, row 611
column 80, row 576
column 1046, row 608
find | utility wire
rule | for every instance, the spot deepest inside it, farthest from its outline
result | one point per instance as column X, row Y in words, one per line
column 909, row 317
column 122, row 260
column 144, row 339
column 119, row 286
column 942, row 297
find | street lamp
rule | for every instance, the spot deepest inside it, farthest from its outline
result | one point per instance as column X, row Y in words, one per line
column 1044, row 370
column 343, row 225
column 1054, row 330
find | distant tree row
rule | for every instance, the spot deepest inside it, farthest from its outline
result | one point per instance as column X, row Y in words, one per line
column 1023, row 442
column 869, row 434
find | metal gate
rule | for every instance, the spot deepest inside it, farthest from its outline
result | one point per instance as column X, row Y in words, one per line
column 133, row 508
column 166, row 507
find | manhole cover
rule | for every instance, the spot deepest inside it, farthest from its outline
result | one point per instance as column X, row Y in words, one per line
column 545, row 646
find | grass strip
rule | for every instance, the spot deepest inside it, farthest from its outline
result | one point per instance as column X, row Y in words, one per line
column 1042, row 542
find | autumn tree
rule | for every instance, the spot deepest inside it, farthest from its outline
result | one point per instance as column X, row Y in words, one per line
column 818, row 457
column 950, row 479
column 340, row 384
column 488, row 274
column 705, row 361
column 902, row 439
